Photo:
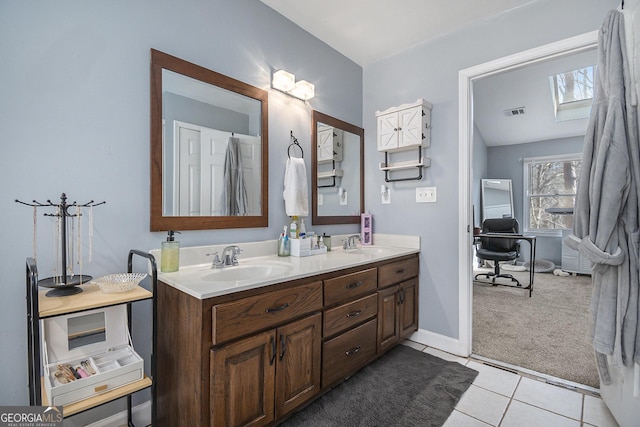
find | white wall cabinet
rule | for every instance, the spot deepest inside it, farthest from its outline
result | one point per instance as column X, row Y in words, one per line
column 405, row 127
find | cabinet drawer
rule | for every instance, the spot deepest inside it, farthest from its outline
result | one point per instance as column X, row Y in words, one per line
column 349, row 286
column 248, row 315
column 398, row 271
column 345, row 316
column 346, row 353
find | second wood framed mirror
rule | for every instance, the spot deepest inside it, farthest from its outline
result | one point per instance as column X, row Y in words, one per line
column 337, row 171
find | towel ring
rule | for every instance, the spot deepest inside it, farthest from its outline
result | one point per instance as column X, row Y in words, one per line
column 294, row 142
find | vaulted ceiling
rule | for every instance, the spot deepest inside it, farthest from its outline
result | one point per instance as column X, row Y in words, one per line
column 370, row 30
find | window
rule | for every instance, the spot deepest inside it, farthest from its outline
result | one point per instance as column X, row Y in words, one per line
column 572, row 93
column 550, row 185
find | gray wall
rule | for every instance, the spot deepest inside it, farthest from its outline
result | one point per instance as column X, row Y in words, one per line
column 74, row 108
column 430, row 71
column 506, row 162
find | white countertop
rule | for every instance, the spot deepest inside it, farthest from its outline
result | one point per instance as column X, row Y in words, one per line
column 195, row 271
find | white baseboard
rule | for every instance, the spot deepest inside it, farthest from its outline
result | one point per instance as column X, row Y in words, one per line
column 441, row 342
column 141, row 415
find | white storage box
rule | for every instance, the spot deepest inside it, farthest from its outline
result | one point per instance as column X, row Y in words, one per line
column 303, row 247
column 96, row 344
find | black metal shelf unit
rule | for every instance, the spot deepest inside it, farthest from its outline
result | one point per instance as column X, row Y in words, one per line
column 34, row 333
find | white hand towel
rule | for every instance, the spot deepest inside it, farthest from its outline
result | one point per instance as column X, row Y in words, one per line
column 296, row 193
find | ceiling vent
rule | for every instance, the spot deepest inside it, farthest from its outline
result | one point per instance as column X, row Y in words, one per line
column 518, row 111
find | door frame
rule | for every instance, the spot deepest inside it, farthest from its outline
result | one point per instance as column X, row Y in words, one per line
column 466, row 77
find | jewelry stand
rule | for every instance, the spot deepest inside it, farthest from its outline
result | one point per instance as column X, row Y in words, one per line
column 64, row 284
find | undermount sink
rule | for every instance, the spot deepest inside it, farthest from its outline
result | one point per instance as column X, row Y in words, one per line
column 240, row 273
column 369, row 250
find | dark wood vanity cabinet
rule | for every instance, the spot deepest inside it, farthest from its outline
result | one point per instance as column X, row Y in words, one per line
column 266, row 376
column 252, row 357
column 397, row 302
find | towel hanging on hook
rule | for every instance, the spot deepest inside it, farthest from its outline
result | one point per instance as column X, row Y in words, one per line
column 294, row 142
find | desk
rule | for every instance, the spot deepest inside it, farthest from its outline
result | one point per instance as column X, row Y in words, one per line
column 532, row 254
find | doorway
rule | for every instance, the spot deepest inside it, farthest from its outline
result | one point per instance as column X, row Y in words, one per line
column 467, row 77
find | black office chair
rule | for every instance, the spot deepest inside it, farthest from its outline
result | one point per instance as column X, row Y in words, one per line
column 499, row 249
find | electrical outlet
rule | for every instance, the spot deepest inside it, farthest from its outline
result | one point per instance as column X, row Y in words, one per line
column 385, row 198
column 426, row 195
column 343, row 199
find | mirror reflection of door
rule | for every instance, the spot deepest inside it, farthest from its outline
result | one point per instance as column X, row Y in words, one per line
column 199, row 169
column 497, row 198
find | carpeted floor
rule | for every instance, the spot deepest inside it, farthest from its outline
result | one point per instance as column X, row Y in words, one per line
column 546, row 333
column 405, row 387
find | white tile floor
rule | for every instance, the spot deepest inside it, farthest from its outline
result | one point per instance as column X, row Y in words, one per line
column 504, row 399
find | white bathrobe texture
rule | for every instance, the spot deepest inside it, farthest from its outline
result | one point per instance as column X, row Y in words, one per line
column 606, row 212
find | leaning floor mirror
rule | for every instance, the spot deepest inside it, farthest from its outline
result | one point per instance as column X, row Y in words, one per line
column 497, row 198
column 337, row 175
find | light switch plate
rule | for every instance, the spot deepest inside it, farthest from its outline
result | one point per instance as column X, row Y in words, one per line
column 426, row 195
column 320, row 199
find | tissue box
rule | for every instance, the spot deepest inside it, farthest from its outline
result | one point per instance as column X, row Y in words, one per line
column 303, row 247
column 96, row 341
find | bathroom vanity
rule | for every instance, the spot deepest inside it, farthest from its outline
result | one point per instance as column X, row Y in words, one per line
column 252, row 350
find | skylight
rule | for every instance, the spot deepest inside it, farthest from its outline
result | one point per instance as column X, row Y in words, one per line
column 572, row 93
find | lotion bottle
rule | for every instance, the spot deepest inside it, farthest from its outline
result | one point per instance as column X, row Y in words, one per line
column 293, row 228
column 170, row 254
column 302, row 231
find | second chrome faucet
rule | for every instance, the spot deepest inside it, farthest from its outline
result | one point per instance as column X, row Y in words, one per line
column 229, row 257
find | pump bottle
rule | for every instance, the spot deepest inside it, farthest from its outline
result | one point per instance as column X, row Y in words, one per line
column 170, row 253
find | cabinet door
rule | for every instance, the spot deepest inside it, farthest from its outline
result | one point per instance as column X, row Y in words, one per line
column 410, row 127
column 408, row 307
column 388, row 333
column 325, row 145
column 298, row 366
column 242, row 382
column 387, row 131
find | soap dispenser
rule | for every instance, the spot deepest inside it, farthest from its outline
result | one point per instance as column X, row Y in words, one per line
column 170, row 253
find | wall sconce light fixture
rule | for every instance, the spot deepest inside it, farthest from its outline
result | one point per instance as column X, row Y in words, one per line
column 286, row 82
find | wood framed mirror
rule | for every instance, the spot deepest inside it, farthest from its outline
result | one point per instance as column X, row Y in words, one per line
column 337, row 171
column 204, row 126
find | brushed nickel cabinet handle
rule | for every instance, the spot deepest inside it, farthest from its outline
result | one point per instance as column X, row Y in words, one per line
column 355, row 313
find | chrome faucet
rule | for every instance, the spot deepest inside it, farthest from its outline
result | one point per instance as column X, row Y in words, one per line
column 350, row 243
column 228, row 257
